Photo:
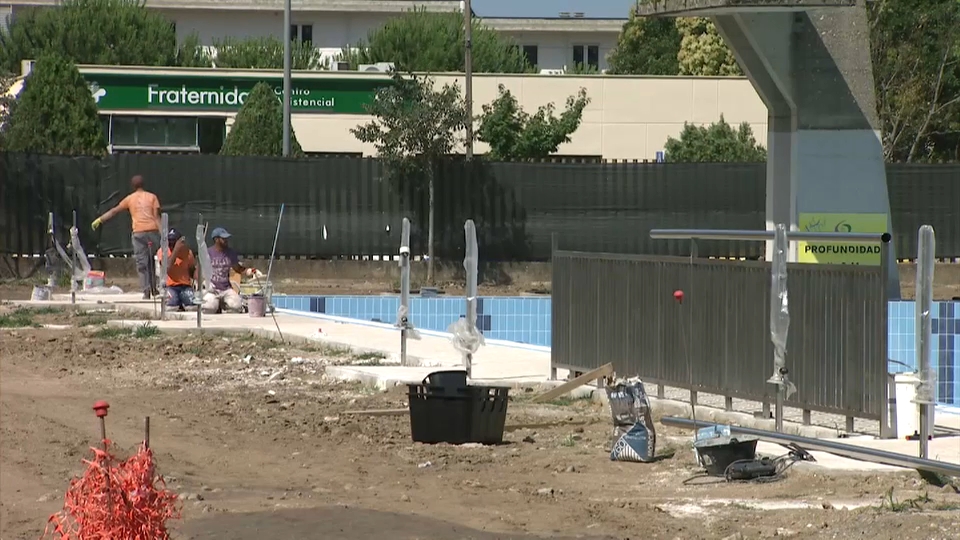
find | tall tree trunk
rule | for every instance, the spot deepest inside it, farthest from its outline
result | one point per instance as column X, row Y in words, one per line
column 430, row 229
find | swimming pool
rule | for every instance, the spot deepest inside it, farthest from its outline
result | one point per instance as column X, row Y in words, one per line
column 527, row 320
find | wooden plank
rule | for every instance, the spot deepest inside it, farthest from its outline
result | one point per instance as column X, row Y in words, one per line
column 603, row 371
column 378, row 412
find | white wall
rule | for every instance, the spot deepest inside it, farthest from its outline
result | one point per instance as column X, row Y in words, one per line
column 627, row 118
column 555, row 49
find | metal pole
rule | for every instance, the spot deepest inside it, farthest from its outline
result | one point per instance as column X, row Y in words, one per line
column 287, row 38
column 164, row 264
column 200, row 290
column 861, row 453
column 404, row 315
column 73, row 272
column 468, row 74
column 926, row 393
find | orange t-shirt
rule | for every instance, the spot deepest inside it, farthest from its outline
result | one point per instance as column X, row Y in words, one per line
column 143, row 207
column 178, row 269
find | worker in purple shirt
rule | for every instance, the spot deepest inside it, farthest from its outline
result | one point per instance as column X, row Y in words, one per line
column 223, row 259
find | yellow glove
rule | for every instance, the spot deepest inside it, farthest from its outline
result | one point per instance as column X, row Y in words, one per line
column 96, row 224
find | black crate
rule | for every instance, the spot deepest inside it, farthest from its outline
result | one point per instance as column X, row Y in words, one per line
column 472, row 414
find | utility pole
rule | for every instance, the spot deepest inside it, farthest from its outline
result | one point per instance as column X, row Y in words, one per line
column 468, row 69
column 287, row 38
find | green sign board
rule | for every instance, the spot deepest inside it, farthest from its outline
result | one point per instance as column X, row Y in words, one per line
column 195, row 93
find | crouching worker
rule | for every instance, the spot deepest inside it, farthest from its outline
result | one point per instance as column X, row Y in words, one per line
column 181, row 271
column 223, row 297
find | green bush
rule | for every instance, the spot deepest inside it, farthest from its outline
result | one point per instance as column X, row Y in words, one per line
column 258, row 127
column 56, row 113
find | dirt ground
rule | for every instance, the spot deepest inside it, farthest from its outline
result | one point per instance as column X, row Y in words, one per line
column 253, row 436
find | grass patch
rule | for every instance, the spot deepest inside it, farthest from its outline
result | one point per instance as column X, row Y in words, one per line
column 370, row 358
column 891, row 503
column 92, row 321
column 112, row 332
column 145, row 330
column 46, row 310
column 19, row 318
column 141, row 331
column 569, row 441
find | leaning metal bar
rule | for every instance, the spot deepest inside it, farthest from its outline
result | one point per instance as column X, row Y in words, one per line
column 796, row 236
column 844, row 450
column 164, row 263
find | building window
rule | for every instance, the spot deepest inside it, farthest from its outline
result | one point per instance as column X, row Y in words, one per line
column 153, row 132
column 586, row 56
column 301, row 32
column 530, row 52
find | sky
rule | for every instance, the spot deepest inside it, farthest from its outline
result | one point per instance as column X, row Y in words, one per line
column 548, row 9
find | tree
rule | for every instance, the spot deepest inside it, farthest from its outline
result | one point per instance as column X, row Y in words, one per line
column 258, row 128
column 702, row 50
column 55, row 113
column 419, row 40
column 414, row 127
column 515, row 134
column 646, row 46
column 716, row 143
column 6, row 102
column 265, row 53
column 915, row 49
column 109, row 32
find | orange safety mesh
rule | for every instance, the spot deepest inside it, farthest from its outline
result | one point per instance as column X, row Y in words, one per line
column 116, row 500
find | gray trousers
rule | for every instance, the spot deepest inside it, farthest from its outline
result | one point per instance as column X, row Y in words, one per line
column 145, row 245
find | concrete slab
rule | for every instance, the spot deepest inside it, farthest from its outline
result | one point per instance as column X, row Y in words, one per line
column 493, row 362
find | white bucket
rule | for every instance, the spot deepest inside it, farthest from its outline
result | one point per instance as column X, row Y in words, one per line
column 908, row 412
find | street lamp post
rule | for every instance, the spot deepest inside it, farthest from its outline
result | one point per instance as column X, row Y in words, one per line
column 468, row 72
column 287, row 38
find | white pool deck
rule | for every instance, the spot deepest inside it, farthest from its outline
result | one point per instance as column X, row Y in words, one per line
column 497, row 363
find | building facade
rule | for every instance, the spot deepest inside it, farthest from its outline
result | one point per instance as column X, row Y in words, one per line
column 191, row 110
column 552, row 38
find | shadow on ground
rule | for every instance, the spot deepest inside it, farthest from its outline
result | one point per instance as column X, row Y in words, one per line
column 336, row 523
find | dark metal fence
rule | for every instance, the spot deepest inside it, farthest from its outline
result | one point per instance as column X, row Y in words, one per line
column 347, row 207
column 621, row 309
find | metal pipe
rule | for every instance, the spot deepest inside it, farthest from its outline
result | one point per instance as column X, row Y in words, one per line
column 287, row 38
column 926, row 391
column 844, row 450
column 763, row 236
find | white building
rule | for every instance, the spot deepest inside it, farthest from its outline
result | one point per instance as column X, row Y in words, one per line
column 553, row 33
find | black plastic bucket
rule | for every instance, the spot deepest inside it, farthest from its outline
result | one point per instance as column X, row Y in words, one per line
column 447, row 382
column 716, row 457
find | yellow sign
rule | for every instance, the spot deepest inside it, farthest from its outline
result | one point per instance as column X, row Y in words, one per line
column 841, row 252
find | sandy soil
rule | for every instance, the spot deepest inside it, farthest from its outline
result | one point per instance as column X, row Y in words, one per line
column 254, row 437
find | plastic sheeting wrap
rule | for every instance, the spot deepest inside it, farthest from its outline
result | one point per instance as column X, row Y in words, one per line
column 403, row 312
column 206, row 267
column 82, row 265
column 779, row 308
column 466, row 337
column 926, row 253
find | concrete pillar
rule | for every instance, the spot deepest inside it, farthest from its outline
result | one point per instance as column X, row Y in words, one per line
column 813, row 71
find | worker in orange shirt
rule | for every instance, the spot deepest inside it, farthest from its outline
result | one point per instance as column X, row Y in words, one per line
column 181, row 271
column 144, row 208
